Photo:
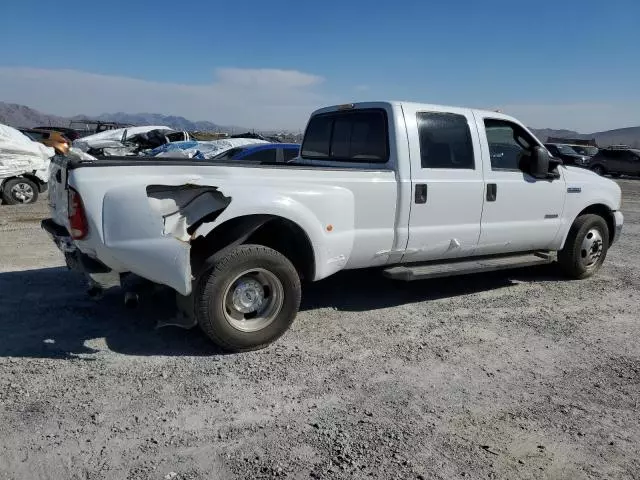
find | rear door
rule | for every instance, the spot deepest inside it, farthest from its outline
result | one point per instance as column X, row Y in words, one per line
column 447, row 182
column 615, row 161
column 630, row 163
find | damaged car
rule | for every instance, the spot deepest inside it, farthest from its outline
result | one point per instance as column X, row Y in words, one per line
column 129, row 141
column 24, row 167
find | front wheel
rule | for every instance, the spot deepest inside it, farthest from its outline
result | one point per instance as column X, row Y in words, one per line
column 19, row 191
column 585, row 248
column 599, row 169
column 248, row 299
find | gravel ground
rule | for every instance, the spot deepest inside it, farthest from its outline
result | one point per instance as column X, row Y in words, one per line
column 516, row 375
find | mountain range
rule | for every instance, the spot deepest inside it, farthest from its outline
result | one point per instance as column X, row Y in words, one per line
column 23, row 116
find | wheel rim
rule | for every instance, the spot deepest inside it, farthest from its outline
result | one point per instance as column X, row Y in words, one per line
column 591, row 248
column 253, row 300
column 22, row 192
column 599, row 170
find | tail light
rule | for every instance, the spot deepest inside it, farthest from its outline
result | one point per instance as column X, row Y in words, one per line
column 77, row 218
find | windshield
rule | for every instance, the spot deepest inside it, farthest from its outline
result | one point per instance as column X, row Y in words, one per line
column 229, row 154
column 566, row 149
column 583, row 150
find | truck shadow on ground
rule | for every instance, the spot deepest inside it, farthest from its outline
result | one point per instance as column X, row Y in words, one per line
column 45, row 313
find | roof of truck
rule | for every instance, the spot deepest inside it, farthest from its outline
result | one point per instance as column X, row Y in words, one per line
column 416, row 105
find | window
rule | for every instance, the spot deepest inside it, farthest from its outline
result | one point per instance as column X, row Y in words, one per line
column 290, row 153
column 508, row 143
column 355, row 136
column 566, row 149
column 445, row 141
column 37, row 136
column 229, row 154
column 264, row 155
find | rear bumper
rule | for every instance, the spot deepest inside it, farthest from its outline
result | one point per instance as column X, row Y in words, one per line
column 619, row 218
column 76, row 260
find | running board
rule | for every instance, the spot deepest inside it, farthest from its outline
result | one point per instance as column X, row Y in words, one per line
column 422, row 271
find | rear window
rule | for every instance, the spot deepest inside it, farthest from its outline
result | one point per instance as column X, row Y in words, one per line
column 356, row 136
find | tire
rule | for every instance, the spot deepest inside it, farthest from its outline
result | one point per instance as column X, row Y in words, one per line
column 17, row 191
column 599, row 169
column 248, row 299
column 585, row 248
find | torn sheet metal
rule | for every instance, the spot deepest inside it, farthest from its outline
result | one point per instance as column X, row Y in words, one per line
column 19, row 154
column 182, row 207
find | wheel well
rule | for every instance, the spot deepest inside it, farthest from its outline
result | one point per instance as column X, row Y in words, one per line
column 606, row 213
column 33, row 178
column 278, row 233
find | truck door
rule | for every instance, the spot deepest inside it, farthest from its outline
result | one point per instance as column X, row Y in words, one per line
column 520, row 212
column 447, row 183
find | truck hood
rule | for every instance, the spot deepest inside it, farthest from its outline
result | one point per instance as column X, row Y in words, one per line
column 587, row 180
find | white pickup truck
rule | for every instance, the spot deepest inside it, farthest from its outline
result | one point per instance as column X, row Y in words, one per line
column 418, row 191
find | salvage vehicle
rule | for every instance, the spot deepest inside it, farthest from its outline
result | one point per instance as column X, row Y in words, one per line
column 129, row 141
column 616, row 160
column 55, row 140
column 417, row 191
column 24, row 167
column 567, row 154
column 265, row 153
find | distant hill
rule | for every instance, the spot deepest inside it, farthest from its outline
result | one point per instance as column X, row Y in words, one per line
column 173, row 121
column 620, row 136
column 21, row 116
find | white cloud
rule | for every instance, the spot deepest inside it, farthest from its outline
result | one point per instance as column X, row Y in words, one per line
column 253, row 98
column 581, row 117
column 267, row 78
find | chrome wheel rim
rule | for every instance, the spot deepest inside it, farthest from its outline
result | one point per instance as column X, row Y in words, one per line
column 591, row 248
column 22, row 192
column 253, row 300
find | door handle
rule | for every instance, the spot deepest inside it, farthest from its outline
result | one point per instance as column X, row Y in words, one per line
column 421, row 193
column 492, row 192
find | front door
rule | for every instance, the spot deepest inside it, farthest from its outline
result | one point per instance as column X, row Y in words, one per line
column 520, row 213
column 447, row 183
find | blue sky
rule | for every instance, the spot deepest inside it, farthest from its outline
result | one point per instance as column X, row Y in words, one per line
column 572, row 64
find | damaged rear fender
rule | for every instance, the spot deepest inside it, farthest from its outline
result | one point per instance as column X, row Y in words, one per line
column 325, row 216
column 149, row 230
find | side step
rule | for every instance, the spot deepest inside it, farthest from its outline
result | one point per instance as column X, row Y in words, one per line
column 422, row 271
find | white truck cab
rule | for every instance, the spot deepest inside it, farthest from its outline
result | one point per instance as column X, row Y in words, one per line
column 417, row 190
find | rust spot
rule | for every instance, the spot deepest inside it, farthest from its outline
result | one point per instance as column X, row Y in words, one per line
column 329, row 228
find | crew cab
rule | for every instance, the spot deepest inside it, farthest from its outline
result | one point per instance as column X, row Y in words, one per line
column 415, row 190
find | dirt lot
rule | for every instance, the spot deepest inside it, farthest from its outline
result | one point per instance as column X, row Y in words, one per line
column 513, row 376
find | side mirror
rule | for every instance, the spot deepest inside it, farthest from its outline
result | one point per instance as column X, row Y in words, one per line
column 541, row 162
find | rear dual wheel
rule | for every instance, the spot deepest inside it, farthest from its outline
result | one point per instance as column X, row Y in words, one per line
column 248, row 299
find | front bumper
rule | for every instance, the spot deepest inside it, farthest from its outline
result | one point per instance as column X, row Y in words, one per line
column 619, row 220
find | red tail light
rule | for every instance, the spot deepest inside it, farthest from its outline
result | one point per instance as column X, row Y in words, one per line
column 77, row 218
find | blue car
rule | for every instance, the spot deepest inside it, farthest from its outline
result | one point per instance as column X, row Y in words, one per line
column 262, row 152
